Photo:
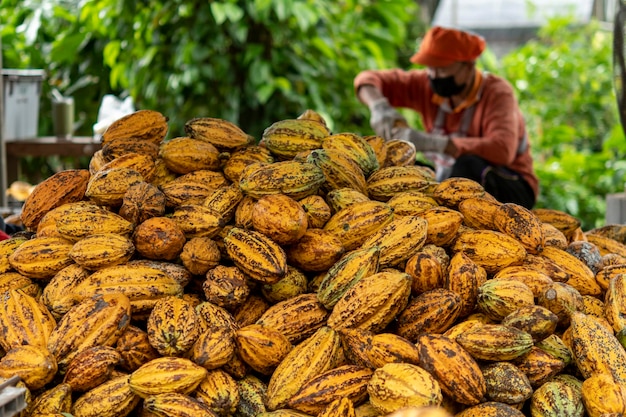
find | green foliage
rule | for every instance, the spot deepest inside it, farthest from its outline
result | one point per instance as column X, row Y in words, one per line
column 564, row 81
column 252, row 62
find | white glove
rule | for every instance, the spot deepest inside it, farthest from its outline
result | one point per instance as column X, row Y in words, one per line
column 423, row 142
column 383, row 117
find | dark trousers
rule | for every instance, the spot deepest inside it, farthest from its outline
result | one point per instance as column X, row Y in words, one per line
column 505, row 185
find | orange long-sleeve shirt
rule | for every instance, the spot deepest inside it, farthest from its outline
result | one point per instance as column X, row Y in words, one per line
column 497, row 126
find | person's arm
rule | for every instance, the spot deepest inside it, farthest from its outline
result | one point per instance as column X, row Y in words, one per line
column 368, row 93
column 383, row 116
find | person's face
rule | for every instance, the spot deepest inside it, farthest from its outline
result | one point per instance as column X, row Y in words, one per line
column 459, row 70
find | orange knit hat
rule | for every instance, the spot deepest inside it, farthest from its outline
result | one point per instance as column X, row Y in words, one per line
column 442, row 47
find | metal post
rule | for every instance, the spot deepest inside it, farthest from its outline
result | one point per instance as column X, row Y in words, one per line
column 3, row 157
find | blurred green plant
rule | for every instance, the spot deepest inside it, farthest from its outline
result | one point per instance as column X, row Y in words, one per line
column 564, row 81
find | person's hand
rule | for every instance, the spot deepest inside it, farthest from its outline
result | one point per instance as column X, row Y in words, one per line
column 384, row 117
column 423, row 142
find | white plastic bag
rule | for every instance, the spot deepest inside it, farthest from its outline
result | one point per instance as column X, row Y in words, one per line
column 111, row 109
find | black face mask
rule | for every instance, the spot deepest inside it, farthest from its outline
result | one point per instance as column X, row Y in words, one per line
column 445, row 86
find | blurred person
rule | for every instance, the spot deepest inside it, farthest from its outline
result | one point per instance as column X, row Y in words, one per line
column 473, row 126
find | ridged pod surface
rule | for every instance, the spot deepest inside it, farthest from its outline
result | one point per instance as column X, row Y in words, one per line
column 539, row 366
column 317, row 250
column 226, row 286
column 373, row 302
column 386, row 182
column 347, row 381
column 506, row 383
column 479, row 212
column 192, row 188
column 35, row 365
column 539, row 321
column 99, row 320
column 124, row 145
column 280, row 217
column 433, row 311
column 251, row 396
column 224, row 200
column 355, row 223
column 148, row 125
column 184, row 154
column 84, row 220
column 536, row 280
column 615, row 303
column 219, row 392
column 222, row 134
column 141, row 284
column 581, row 276
column 102, row 250
column 399, row 153
column 286, row 138
column 490, row 409
column 134, row 348
column 315, row 355
column 521, row 224
column 256, row 255
column 141, row 202
column 55, row 400
column 142, row 163
column 378, row 144
column 166, row 375
column 25, row 321
column 293, row 178
column 172, row 326
column 389, row 348
column 411, row 203
column 606, row 245
column 602, row 395
column 556, row 397
column 262, row 347
column 7, row 247
column 356, row 148
column 340, row 171
column 464, row 277
column 563, row 221
column 443, row 225
column 240, row 159
column 490, row 249
column 495, row 342
column 456, row 371
column 297, row 318
column 346, row 272
column 113, row 398
column 41, row 257
column 398, row 240
column 497, row 298
column 426, row 271
column 317, row 210
column 57, row 294
column 399, row 385
column 63, row 187
column 451, row 191
column 91, row 367
column 595, row 349
column 176, row 404
column 108, row 187
column 16, row 281
column 196, row 220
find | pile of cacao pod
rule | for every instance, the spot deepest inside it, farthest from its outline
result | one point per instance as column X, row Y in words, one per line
column 306, row 273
